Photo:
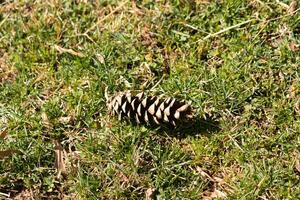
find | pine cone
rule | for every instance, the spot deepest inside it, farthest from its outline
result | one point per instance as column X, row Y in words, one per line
column 149, row 110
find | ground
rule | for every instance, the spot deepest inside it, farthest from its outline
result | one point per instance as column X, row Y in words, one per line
column 235, row 61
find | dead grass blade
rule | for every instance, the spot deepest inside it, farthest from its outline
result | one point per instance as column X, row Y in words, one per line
column 205, row 175
column 225, row 30
column 3, row 134
column 59, row 158
column 292, row 7
column 212, row 193
column 7, row 153
column 47, row 124
column 70, row 51
column 4, row 194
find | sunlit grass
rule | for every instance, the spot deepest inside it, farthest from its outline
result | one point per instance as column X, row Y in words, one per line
column 236, row 61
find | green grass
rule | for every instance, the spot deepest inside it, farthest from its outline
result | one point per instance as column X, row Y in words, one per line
column 57, row 58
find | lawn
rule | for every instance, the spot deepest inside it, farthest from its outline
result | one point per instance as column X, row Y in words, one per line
column 236, row 61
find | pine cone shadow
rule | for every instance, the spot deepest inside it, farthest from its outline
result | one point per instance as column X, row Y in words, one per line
column 199, row 126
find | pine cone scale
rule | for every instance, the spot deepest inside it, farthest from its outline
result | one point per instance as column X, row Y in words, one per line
column 150, row 110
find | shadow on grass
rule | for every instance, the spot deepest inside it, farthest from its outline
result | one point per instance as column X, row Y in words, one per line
column 199, row 126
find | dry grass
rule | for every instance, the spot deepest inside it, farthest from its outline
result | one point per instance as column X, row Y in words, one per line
column 235, row 60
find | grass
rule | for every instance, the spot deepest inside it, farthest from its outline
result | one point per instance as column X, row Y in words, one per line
column 236, row 61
